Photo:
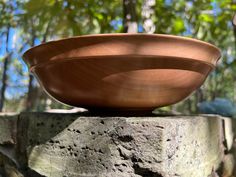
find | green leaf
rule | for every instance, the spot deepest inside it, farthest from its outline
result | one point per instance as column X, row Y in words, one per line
column 206, row 18
column 179, row 25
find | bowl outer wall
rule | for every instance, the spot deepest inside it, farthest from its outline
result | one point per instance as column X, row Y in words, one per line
column 47, row 61
column 120, row 82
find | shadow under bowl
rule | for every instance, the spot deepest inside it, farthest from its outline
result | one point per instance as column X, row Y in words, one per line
column 122, row 71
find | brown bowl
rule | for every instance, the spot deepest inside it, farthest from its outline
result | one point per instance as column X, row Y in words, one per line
column 122, row 71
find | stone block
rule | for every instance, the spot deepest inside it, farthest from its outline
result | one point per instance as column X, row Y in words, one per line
column 76, row 145
column 8, row 128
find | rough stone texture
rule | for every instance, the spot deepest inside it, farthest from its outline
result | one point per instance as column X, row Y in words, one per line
column 228, row 165
column 8, row 124
column 228, row 132
column 8, row 137
column 87, row 145
column 72, row 145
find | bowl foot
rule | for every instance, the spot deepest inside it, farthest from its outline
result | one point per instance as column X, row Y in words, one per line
column 120, row 112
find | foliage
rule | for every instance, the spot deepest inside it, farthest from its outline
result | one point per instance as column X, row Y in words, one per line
column 209, row 21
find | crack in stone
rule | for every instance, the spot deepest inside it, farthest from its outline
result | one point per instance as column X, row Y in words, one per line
column 125, row 138
column 145, row 172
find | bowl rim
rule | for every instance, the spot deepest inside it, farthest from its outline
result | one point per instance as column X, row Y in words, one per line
column 120, row 35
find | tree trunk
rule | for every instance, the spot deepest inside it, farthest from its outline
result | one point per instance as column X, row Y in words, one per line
column 130, row 16
column 147, row 13
column 5, row 68
column 29, row 101
column 30, row 95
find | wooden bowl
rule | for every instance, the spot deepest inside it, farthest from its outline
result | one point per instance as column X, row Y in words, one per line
column 122, row 71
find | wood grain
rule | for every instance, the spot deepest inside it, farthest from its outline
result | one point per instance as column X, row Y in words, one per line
column 122, row 71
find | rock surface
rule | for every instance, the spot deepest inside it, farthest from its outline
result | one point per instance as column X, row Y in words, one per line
column 8, row 128
column 82, row 145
